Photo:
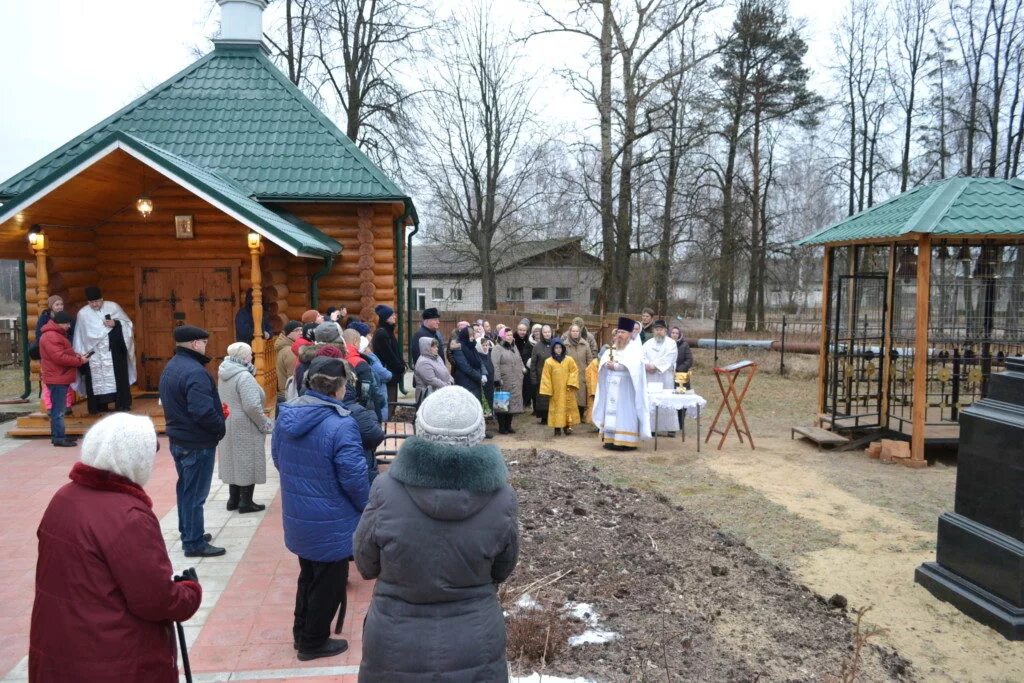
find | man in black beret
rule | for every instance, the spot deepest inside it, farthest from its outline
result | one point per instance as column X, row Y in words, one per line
column 428, row 328
column 195, row 425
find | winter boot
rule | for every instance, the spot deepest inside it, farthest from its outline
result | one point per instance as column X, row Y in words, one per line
column 233, row 492
column 245, row 503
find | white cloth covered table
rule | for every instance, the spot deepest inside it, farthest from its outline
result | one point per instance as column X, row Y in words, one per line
column 693, row 404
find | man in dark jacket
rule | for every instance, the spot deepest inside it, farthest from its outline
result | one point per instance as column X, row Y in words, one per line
column 195, row 425
column 318, row 451
column 428, row 328
column 59, row 369
column 245, row 327
column 385, row 346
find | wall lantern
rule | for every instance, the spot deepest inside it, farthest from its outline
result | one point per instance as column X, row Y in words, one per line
column 254, row 240
column 145, row 205
column 36, row 238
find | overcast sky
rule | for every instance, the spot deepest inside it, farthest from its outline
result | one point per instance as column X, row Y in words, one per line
column 68, row 64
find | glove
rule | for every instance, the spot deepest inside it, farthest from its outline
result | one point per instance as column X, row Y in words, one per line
column 187, row 575
column 483, row 379
column 224, row 409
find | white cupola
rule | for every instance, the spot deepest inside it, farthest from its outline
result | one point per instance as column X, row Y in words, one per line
column 241, row 22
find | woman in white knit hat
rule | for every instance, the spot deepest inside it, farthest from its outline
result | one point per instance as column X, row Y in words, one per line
column 105, row 599
column 439, row 534
column 243, row 458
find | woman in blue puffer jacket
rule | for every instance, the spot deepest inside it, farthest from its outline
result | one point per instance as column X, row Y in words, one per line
column 318, row 450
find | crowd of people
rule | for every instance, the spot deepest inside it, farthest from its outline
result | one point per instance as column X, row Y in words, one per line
column 335, row 380
column 438, row 530
column 555, row 376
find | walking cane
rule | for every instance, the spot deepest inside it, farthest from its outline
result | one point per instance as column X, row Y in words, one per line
column 187, row 575
column 184, row 652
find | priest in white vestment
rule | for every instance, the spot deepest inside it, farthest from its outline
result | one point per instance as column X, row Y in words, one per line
column 105, row 333
column 621, row 408
column 660, row 363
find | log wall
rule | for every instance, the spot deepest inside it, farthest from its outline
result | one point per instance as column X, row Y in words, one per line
column 365, row 274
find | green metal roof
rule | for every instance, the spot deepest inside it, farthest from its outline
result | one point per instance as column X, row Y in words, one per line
column 286, row 231
column 235, row 114
column 955, row 207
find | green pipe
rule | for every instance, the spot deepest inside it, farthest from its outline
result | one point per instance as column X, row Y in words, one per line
column 410, row 290
column 26, row 371
column 399, row 234
column 314, row 282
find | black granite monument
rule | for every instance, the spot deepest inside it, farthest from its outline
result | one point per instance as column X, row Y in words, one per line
column 979, row 565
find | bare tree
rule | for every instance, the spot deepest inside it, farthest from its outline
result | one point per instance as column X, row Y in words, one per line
column 300, row 18
column 360, row 48
column 1006, row 50
column 913, row 21
column 972, row 25
column 633, row 34
column 481, row 147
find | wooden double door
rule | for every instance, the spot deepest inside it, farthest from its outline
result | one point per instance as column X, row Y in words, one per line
column 172, row 294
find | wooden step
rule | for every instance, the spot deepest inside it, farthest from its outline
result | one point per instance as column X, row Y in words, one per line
column 38, row 423
column 822, row 437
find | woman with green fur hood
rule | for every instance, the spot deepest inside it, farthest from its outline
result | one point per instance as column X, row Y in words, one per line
column 439, row 534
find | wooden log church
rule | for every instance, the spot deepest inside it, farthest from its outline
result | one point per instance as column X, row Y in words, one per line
column 223, row 178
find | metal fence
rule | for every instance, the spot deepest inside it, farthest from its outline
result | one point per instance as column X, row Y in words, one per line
column 10, row 342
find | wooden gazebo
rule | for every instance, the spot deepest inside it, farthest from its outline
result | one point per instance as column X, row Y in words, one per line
column 923, row 299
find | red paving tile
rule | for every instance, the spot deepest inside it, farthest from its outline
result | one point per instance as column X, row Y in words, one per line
column 261, row 592
column 32, row 472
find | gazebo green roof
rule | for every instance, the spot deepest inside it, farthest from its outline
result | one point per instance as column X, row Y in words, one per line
column 955, row 207
column 234, row 114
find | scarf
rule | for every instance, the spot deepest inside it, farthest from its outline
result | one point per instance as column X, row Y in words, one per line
column 557, row 343
column 468, row 343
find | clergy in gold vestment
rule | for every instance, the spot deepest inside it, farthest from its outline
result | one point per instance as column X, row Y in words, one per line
column 591, row 376
column 560, row 380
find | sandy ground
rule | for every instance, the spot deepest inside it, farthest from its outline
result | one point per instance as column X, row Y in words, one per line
column 841, row 522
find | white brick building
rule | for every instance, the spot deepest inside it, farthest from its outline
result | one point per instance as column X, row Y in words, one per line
column 540, row 275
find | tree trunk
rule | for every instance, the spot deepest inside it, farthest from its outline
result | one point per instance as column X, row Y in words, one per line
column 755, row 223
column 604, row 297
column 663, row 265
column 727, row 259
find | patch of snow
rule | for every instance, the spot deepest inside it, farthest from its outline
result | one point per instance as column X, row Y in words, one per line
column 593, row 636
column 542, row 678
column 513, row 462
column 588, row 615
column 526, row 601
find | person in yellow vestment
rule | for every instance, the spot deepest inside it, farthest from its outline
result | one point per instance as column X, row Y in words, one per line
column 560, row 380
column 591, row 375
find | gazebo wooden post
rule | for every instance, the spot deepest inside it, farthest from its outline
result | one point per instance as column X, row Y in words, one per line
column 919, row 412
column 826, row 301
column 885, row 361
column 256, row 281
column 42, row 292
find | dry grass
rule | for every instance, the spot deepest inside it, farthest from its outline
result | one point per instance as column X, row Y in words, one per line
column 538, row 636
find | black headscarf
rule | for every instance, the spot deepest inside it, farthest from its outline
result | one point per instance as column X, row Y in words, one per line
column 559, row 357
column 468, row 345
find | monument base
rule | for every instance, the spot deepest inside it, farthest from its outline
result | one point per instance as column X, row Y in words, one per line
column 979, row 571
column 972, row 600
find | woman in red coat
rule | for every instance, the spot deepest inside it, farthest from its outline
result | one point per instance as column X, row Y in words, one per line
column 105, row 601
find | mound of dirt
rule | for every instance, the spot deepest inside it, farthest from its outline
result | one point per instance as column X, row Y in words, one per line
column 684, row 600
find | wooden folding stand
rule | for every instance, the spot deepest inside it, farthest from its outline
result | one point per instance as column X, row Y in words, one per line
column 733, row 401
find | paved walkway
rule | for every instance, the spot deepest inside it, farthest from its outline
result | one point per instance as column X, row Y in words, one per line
column 242, row 632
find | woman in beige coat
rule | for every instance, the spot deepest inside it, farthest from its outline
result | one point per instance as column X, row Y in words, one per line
column 243, row 458
column 577, row 348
